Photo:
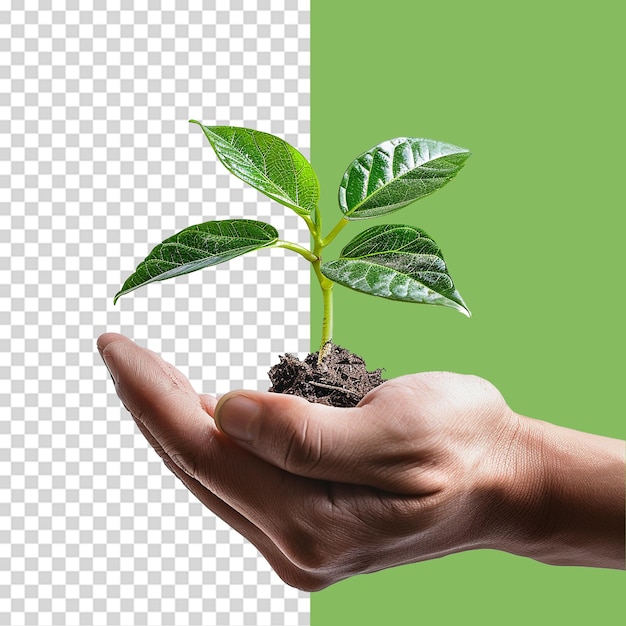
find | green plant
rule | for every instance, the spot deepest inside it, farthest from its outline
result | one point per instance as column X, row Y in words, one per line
column 394, row 261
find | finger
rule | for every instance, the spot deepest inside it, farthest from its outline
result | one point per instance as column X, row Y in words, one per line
column 162, row 400
column 118, row 353
column 157, row 395
column 349, row 445
column 208, row 403
column 280, row 563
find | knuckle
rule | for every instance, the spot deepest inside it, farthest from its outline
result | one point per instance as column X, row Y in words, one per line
column 303, row 452
column 305, row 547
column 309, row 557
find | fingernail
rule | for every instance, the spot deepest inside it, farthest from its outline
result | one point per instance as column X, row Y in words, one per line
column 238, row 416
column 110, row 365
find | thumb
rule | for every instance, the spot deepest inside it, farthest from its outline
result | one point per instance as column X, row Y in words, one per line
column 301, row 437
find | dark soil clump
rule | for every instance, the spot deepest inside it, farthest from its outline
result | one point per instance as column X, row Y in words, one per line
column 341, row 380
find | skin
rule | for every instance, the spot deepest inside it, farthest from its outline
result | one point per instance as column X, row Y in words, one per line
column 426, row 465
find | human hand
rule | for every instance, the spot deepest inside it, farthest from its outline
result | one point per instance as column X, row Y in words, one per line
column 426, row 465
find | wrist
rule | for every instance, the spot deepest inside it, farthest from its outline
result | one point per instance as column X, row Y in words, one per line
column 563, row 500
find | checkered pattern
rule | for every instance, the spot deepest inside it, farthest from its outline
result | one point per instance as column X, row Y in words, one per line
column 97, row 165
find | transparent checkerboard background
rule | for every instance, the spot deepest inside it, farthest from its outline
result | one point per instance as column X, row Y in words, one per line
column 98, row 164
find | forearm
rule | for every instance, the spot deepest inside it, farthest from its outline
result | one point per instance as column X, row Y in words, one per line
column 577, row 497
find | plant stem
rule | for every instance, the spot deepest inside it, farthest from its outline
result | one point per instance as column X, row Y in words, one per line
column 327, row 322
column 334, row 232
column 326, row 285
column 294, row 247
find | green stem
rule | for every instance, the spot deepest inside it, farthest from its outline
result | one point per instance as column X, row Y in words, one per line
column 334, row 232
column 294, row 247
column 326, row 285
column 313, row 229
column 327, row 294
column 327, row 322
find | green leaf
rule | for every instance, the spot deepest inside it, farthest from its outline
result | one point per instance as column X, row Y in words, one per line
column 395, row 173
column 268, row 163
column 200, row 246
column 396, row 262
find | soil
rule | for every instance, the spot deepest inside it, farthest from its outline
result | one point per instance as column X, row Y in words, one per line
column 341, row 379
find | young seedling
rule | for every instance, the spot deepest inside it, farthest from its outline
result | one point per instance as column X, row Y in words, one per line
column 393, row 261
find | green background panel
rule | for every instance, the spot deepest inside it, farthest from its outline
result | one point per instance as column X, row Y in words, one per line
column 532, row 230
